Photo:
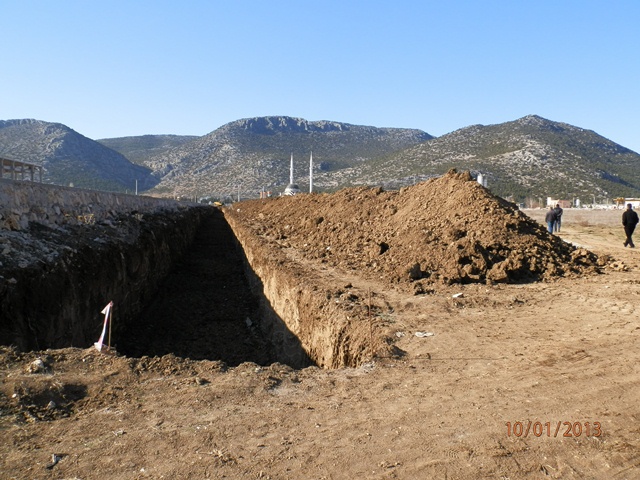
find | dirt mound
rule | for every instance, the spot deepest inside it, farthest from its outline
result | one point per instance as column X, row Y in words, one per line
column 446, row 230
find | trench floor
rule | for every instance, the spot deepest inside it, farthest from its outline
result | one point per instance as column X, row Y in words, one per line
column 204, row 309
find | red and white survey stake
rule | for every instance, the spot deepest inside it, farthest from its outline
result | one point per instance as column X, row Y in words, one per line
column 107, row 320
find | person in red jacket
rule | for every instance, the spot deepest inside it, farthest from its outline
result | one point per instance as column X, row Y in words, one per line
column 629, row 221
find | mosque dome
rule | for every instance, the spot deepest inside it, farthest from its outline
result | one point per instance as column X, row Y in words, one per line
column 292, row 189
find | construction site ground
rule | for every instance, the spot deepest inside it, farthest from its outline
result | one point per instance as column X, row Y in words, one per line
column 532, row 380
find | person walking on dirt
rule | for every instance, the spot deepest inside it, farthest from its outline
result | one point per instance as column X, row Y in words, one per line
column 550, row 218
column 558, row 211
column 629, row 221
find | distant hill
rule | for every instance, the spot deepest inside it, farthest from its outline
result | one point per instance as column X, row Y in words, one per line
column 138, row 149
column 68, row 157
column 528, row 157
column 254, row 153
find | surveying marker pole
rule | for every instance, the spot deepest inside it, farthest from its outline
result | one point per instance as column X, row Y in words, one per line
column 110, row 322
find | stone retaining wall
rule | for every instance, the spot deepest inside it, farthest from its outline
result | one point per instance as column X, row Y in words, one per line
column 23, row 202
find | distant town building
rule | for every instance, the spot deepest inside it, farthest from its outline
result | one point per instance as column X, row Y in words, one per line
column 482, row 180
column 292, row 188
column 552, row 202
column 16, row 170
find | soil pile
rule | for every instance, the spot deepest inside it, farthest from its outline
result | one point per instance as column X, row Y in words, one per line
column 446, row 230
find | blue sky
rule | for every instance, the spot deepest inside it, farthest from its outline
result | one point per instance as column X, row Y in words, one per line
column 122, row 68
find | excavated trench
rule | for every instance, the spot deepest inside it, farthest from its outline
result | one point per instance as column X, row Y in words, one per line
column 195, row 283
column 205, row 308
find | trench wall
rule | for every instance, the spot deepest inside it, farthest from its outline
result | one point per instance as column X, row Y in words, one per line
column 297, row 309
column 54, row 304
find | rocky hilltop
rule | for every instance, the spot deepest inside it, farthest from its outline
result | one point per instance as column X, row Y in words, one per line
column 69, row 157
column 528, row 157
column 251, row 154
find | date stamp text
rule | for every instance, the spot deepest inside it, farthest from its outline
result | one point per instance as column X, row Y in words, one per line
column 553, row 429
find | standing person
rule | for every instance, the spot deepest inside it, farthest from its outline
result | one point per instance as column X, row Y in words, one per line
column 550, row 218
column 558, row 211
column 629, row 221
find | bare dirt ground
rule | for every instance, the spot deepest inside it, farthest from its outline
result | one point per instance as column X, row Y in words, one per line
column 539, row 379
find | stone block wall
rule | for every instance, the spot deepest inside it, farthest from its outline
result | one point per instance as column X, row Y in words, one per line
column 23, row 202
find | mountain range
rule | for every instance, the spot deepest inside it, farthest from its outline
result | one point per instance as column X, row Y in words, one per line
column 530, row 157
